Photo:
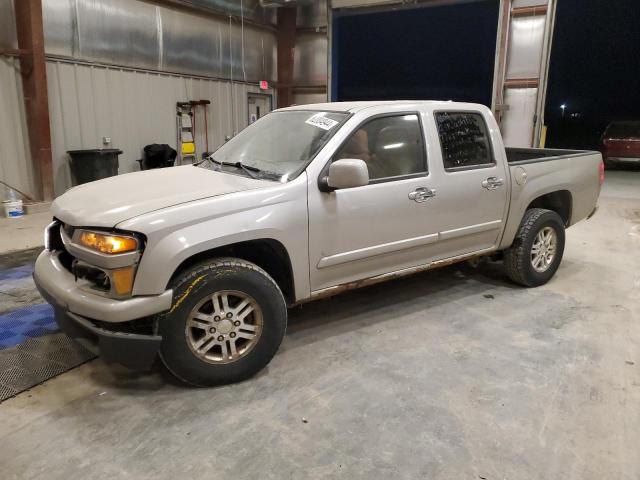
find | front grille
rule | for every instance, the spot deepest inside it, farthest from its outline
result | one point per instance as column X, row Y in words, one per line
column 97, row 278
column 66, row 259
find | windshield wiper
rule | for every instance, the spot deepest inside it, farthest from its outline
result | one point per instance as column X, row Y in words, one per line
column 248, row 169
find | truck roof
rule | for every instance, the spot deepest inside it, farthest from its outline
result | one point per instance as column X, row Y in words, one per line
column 353, row 107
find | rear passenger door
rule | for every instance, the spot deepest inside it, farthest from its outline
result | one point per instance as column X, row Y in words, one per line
column 472, row 185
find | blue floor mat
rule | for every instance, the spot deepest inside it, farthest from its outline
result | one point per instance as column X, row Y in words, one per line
column 16, row 273
column 28, row 322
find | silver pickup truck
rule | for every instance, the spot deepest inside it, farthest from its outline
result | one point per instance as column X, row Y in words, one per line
column 199, row 263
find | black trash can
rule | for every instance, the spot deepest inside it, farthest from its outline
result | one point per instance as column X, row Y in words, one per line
column 89, row 165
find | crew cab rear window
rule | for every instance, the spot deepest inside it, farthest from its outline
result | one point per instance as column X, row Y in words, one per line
column 464, row 140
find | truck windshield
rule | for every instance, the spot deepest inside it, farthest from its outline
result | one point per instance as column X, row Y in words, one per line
column 279, row 146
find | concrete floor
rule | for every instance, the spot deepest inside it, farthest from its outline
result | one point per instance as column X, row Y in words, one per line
column 454, row 374
column 24, row 232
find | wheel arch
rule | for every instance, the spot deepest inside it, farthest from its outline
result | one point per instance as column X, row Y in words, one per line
column 559, row 201
column 267, row 253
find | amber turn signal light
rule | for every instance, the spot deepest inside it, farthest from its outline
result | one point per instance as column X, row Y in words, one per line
column 105, row 243
column 122, row 280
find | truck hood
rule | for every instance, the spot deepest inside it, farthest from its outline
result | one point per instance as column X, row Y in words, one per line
column 105, row 203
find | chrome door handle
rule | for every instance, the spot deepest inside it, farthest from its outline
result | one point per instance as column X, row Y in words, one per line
column 422, row 194
column 492, row 183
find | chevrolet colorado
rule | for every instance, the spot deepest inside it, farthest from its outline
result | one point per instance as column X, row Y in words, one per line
column 199, row 263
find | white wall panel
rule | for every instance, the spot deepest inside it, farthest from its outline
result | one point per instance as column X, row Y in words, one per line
column 307, row 98
column 517, row 121
column 528, row 3
column 525, row 47
column 16, row 167
column 134, row 109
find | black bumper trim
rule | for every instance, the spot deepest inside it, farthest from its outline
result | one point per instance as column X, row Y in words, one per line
column 131, row 350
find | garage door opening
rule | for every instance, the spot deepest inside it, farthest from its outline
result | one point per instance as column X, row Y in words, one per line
column 443, row 52
column 593, row 73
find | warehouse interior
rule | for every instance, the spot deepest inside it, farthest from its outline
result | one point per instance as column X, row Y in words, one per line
column 458, row 371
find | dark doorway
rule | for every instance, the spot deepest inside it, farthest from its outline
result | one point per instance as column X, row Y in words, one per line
column 594, row 70
column 444, row 52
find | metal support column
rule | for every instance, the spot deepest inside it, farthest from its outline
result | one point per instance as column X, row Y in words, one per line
column 34, row 81
column 286, row 37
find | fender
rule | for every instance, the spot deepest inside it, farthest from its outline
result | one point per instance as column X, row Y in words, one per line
column 180, row 232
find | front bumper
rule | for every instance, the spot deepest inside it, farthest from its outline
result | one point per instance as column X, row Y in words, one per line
column 131, row 350
column 83, row 315
column 51, row 277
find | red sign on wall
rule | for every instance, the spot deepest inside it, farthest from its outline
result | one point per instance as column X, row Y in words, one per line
column 264, row 85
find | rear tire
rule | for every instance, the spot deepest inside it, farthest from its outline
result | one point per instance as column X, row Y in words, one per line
column 226, row 324
column 537, row 250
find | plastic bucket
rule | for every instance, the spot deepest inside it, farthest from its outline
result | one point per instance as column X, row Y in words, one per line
column 13, row 208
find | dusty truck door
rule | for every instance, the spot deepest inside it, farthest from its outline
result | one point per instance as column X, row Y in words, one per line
column 472, row 183
column 360, row 232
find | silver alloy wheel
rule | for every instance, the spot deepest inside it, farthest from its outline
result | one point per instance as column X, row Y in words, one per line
column 544, row 248
column 224, row 327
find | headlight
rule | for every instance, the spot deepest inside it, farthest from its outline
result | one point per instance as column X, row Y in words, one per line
column 105, row 243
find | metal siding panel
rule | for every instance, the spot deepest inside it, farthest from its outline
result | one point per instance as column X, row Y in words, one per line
column 60, row 28
column 517, row 121
column 61, row 175
column 86, row 108
column 528, row 3
column 191, row 43
column 252, row 9
column 16, row 168
column 118, row 31
column 308, row 98
column 361, row 3
column 141, row 35
column 525, row 49
column 134, row 109
column 102, row 105
column 310, row 60
column 8, row 37
column 314, row 15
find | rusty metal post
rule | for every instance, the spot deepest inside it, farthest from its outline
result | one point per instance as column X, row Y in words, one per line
column 286, row 38
column 34, row 82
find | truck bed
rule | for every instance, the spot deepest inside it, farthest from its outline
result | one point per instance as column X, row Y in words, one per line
column 518, row 156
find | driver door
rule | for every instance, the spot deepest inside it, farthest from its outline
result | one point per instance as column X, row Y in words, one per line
column 360, row 232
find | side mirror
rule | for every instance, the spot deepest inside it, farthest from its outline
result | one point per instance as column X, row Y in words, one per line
column 346, row 173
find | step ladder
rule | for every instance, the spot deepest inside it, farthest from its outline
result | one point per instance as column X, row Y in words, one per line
column 186, row 134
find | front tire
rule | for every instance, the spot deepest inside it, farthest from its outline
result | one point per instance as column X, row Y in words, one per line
column 537, row 250
column 226, row 324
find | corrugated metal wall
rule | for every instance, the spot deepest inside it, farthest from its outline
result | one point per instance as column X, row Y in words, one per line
column 310, row 54
column 116, row 68
column 138, row 34
column 16, row 167
column 134, row 109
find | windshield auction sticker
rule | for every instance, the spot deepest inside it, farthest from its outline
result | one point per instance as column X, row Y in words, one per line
column 320, row 121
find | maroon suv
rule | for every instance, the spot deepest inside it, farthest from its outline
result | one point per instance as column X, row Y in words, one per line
column 621, row 143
